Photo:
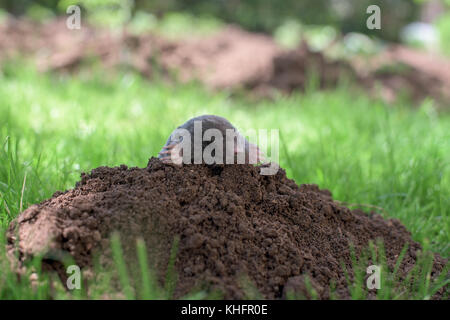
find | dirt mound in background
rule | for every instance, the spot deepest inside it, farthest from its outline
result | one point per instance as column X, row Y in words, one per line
column 400, row 70
column 292, row 68
column 232, row 223
column 230, row 58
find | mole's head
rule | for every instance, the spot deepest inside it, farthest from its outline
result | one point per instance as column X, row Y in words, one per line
column 209, row 139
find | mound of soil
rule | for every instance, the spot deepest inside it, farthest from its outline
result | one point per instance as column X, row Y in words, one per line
column 291, row 70
column 400, row 70
column 232, row 224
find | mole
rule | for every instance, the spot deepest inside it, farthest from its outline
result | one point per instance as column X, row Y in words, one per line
column 202, row 148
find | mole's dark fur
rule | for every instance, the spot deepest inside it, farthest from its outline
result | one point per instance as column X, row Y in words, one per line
column 169, row 150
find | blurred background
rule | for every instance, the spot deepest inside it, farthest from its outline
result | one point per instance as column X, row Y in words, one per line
column 418, row 22
column 215, row 41
column 260, row 15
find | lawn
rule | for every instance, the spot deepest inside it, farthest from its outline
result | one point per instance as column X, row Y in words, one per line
column 394, row 159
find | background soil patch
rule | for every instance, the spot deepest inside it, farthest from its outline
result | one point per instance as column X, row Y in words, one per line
column 232, row 222
column 231, row 58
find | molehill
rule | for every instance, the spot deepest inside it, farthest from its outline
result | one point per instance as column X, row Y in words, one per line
column 232, row 224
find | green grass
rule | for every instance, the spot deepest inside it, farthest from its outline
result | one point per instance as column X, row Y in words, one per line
column 392, row 157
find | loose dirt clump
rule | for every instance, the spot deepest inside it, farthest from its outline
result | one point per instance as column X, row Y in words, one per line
column 234, row 227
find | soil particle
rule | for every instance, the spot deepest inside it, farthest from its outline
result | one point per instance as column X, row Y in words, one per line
column 231, row 223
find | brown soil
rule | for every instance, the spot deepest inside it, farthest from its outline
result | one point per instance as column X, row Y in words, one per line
column 232, row 223
column 231, row 58
column 401, row 70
